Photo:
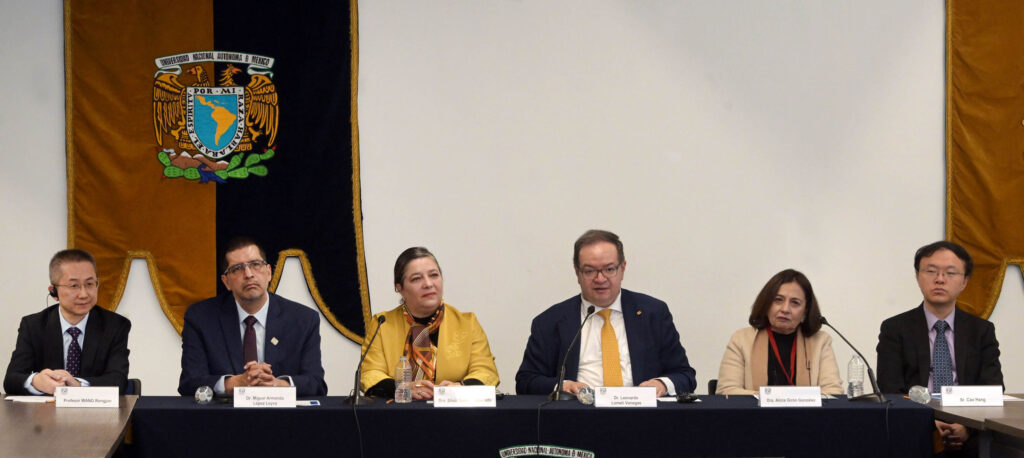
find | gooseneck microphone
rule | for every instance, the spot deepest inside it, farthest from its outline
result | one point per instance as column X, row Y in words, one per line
column 877, row 396
column 356, row 397
column 559, row 394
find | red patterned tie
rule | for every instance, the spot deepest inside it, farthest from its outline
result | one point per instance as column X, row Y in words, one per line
column 249, row 343
column 74, row 362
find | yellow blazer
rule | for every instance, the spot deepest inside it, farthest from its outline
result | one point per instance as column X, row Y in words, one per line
column 744, row 366
column 462, row 349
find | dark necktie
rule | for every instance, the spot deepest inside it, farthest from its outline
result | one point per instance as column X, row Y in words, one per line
column 942, row 364
column 74, row 362
column 249, row 343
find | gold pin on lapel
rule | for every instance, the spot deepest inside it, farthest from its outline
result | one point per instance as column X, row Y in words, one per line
column 273, row 340
column 639, row 312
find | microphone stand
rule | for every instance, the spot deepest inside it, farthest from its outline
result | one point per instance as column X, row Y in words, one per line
column 877, row 396
column 355, row 397
column 559, row 394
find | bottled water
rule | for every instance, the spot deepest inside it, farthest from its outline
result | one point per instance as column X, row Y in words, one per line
column 403, row 381
column 585, row 395
column 919, row 394
column 855, row 375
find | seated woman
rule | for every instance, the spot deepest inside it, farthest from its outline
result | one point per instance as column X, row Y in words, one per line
column 443, row 345
column 783, row 345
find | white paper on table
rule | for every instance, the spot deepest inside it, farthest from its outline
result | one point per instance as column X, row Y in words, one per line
column 38, row 399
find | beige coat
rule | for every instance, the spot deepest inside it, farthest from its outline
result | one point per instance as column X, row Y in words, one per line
column 744, row 366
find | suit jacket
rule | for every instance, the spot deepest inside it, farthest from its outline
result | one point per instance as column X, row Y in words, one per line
column 211, row 344
column 462, row 349
column 41, row 346
column 744, row 368
column 654, row 347
column 904, row 353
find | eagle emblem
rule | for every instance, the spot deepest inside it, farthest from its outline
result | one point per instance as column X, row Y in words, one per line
column 211, row 130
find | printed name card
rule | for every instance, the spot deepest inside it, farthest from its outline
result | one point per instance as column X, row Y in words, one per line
column 265, row 396
column 625, row 396
column 464, row 396
column 968, row 395
column 790, row 396
column 87, row 396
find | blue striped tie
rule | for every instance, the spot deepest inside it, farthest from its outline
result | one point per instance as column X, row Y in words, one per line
column 942, row 364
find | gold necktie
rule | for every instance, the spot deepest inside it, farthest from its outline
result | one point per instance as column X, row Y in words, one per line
column 610, row 351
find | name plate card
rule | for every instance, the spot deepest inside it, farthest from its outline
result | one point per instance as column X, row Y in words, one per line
column 625, row 396
column 790, row 396
column 968, row 395
column 87, row 396
column 464, row 396
column 265, row 396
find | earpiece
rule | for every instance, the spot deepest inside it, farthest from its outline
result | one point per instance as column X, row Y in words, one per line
column 53, row 291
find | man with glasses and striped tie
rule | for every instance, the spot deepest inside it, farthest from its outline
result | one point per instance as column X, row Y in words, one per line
column 631, row 341
column 72, row 343
column 935, row 344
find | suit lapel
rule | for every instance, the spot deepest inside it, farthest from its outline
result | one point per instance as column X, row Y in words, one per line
column 94, row 332
column 53, row 341
column 961, row 337
column 232, row 333
column 923, row 348
column 567, row 328
column 273, row 328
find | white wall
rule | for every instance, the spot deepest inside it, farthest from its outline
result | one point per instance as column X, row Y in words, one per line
column 724, row 141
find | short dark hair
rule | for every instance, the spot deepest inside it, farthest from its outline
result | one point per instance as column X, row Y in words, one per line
column 70, row 255
column 237, row 243
column 409, row 255
column 596, row 236
column 958, row 250
column 763, row 303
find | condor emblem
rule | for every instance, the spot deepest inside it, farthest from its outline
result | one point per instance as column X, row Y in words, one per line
column 214, row 130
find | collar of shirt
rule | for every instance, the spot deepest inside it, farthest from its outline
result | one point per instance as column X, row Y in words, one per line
column 64, row 326
column 261, row 315
column 932, row 319
column 617, row 306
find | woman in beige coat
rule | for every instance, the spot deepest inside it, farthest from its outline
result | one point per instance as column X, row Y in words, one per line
column 782, row 346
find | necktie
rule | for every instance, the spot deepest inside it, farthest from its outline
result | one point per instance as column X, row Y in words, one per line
column 610, row 351
column 942, row 364
column 249, row 342
column 74, row 362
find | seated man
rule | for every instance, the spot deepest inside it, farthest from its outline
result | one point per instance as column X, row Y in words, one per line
column 936, row 344
column 248, row 336
column 72, row 343
column 631, row 342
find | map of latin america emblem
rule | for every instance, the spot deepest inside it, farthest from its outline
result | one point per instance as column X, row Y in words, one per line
column 214, row 129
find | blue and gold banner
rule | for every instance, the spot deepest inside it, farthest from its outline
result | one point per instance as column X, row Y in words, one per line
column 192, row 122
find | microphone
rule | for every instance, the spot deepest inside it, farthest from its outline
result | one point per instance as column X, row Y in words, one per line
column 877, row 396
column 356, row 397
column 559, row 394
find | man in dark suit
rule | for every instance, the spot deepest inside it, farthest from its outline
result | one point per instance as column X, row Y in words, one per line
column 631, row 342
column 73, row 343
column 910, row 351
column 248, row 336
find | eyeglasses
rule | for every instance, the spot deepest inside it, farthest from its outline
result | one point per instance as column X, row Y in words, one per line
column 89, row 285
column 608, row 272
column 932, row 274
column 252, row 265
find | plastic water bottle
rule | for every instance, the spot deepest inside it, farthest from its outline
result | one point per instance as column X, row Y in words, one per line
column 855, row 374
column 919, row 394
column 403, row 381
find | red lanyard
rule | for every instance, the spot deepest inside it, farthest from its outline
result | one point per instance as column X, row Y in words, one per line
column 792, row 357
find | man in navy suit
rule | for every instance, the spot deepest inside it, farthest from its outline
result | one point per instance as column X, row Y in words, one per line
column 968, row 352
column 73, row 343
column 248, row 336
column 646, row 340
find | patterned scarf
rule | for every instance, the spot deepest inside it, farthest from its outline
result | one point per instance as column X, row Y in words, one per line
column 419, row 350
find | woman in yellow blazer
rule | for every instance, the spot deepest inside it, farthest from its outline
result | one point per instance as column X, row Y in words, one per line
column 783, row 345
column 443, row 345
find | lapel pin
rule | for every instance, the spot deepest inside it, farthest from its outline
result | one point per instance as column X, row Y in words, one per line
column 639, row 312
column 273, row 340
